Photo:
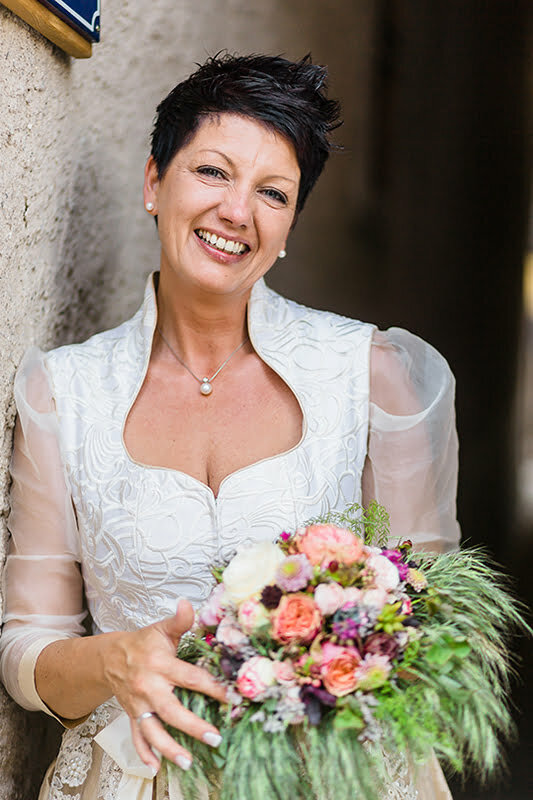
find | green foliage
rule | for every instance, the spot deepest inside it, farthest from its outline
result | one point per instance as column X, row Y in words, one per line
column 390, row 618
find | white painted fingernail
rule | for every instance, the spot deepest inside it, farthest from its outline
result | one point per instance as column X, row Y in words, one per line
column 153, row 771
column 183, row 762
column 212, row 739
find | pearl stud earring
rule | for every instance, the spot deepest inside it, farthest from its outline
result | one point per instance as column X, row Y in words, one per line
column 149, row 206
column 282, row 254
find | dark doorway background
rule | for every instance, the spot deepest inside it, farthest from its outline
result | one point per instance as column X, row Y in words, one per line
column 441, row 246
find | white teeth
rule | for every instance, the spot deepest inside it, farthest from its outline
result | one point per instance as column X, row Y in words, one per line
column 220, row 243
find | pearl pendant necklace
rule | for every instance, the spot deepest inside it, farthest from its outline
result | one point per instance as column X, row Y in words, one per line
column 205, row 383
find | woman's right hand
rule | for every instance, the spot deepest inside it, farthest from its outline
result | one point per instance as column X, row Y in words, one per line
column 141, row 670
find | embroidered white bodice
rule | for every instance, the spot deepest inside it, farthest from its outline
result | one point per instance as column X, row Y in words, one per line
column 148, row 535
column 378, row 422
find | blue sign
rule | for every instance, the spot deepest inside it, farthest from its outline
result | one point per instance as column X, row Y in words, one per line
column 82, row 15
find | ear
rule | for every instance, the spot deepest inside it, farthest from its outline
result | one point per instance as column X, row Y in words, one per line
column 151, row 184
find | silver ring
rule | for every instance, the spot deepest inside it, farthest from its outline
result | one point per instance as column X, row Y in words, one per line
column 145, row 715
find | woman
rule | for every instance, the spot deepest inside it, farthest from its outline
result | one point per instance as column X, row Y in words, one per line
column 220, row 414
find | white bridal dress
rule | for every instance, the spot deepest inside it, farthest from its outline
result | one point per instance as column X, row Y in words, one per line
column 89, row 524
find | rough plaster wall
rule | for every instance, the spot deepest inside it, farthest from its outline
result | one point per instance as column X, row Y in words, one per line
column 75, row 242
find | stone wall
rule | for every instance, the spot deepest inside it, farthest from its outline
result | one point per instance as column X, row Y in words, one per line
column 75, row 242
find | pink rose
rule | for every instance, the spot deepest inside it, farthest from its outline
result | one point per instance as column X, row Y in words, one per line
column 324, row 543
column 296, row 619
column 386, row 573
column 338, row 668
column 230, row 635
column 252, row 615
column 284, row 672
column 212, row 610
column 352, row 597
column 375, row 598
column 329, row 597
column 255, row 676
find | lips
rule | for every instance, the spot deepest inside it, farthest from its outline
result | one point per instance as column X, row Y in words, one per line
column 230, row 246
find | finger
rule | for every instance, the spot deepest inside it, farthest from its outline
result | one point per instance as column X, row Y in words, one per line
column 155, row 736
column 143, row 748
column 176, row 625
column 175, row 714
column 197, row 679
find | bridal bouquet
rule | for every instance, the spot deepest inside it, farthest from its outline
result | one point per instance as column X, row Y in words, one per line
column 336, row 650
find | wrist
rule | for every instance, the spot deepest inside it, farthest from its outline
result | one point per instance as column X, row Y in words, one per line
column 111, row 657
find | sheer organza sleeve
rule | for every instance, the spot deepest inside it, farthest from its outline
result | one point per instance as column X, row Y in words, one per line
column 411, row 465
column 42, row 584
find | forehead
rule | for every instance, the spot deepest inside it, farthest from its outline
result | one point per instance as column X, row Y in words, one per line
column 244, row 140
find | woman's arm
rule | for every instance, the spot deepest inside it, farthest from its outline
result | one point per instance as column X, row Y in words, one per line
column 45, row 663
column 411, row 465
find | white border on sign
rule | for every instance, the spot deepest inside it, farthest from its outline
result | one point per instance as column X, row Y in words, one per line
column 80, row 19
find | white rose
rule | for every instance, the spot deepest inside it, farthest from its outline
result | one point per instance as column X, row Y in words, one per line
column 386, row 573
column 251, row 570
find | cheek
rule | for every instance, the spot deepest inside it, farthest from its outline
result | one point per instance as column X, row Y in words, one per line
column 275, row 233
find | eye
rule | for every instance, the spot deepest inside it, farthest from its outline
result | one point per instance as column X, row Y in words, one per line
column 275, row 195
column 210, row 172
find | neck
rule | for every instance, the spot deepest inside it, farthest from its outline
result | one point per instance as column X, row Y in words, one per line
column 202, row 328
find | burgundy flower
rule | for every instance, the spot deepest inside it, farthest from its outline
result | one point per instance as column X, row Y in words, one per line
column 381, row 644
column 271, row 596
column 230, row 664
column 314, row 699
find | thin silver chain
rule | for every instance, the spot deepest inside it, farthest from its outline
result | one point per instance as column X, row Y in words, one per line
column 189, row 370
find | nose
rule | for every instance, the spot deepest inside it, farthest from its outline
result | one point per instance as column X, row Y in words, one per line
column 236, row 207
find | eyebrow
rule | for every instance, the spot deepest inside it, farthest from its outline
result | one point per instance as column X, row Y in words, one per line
column 231, row 163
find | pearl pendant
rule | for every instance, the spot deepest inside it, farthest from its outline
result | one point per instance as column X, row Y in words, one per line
column 206, row 387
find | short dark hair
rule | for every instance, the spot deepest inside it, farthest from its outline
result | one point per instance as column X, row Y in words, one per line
column 289, row 97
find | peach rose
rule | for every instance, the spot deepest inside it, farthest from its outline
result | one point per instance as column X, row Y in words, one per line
column 338, row 669
column 296, row 619
column 324, row 543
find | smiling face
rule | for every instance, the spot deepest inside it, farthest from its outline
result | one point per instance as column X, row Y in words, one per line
column 225, row 204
